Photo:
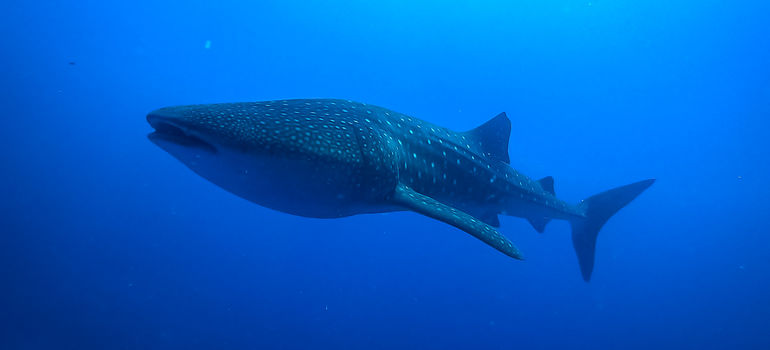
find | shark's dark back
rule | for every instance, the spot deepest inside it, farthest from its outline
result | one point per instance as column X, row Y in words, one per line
column 294, row 128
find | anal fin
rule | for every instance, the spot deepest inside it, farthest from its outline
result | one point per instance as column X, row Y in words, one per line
column 539, row 224
column 432, row 208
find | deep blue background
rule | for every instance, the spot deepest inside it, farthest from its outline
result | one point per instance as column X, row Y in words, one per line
column 109, row 243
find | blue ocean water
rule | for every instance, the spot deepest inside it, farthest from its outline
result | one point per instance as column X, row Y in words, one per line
column 109, row 243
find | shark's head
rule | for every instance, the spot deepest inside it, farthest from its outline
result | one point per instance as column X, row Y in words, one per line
column 216, row 133
column 201, row 139
column 195, row 133
column 181, row 135
column 277, row 153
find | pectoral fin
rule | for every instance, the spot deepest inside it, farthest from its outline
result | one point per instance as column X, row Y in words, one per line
column 430, row 207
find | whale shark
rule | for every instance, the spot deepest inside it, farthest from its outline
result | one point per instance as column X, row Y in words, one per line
column 331, row 158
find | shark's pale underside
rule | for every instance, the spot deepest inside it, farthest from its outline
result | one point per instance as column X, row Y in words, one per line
column 328, row 158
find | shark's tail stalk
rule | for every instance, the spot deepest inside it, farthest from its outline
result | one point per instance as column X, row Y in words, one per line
column 598, row 209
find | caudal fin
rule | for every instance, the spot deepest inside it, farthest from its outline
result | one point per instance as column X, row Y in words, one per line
column 598, row 209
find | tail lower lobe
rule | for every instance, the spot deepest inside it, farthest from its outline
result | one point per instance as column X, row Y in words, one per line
column 598, row 209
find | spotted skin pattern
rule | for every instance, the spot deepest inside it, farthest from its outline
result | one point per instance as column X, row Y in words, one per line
column 334, row 158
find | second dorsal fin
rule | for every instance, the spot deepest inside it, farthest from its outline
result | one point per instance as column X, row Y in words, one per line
column 492, row 138
column 547, row 184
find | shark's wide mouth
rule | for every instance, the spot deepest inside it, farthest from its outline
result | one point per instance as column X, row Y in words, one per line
column 167, row 131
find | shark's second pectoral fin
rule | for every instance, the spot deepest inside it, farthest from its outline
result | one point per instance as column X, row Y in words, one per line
column 430, row 207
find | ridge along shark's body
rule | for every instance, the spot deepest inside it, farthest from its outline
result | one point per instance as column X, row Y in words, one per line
column 333, row 158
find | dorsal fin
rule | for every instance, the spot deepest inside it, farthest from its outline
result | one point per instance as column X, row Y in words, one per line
column 492, row 137
column 547, row 184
